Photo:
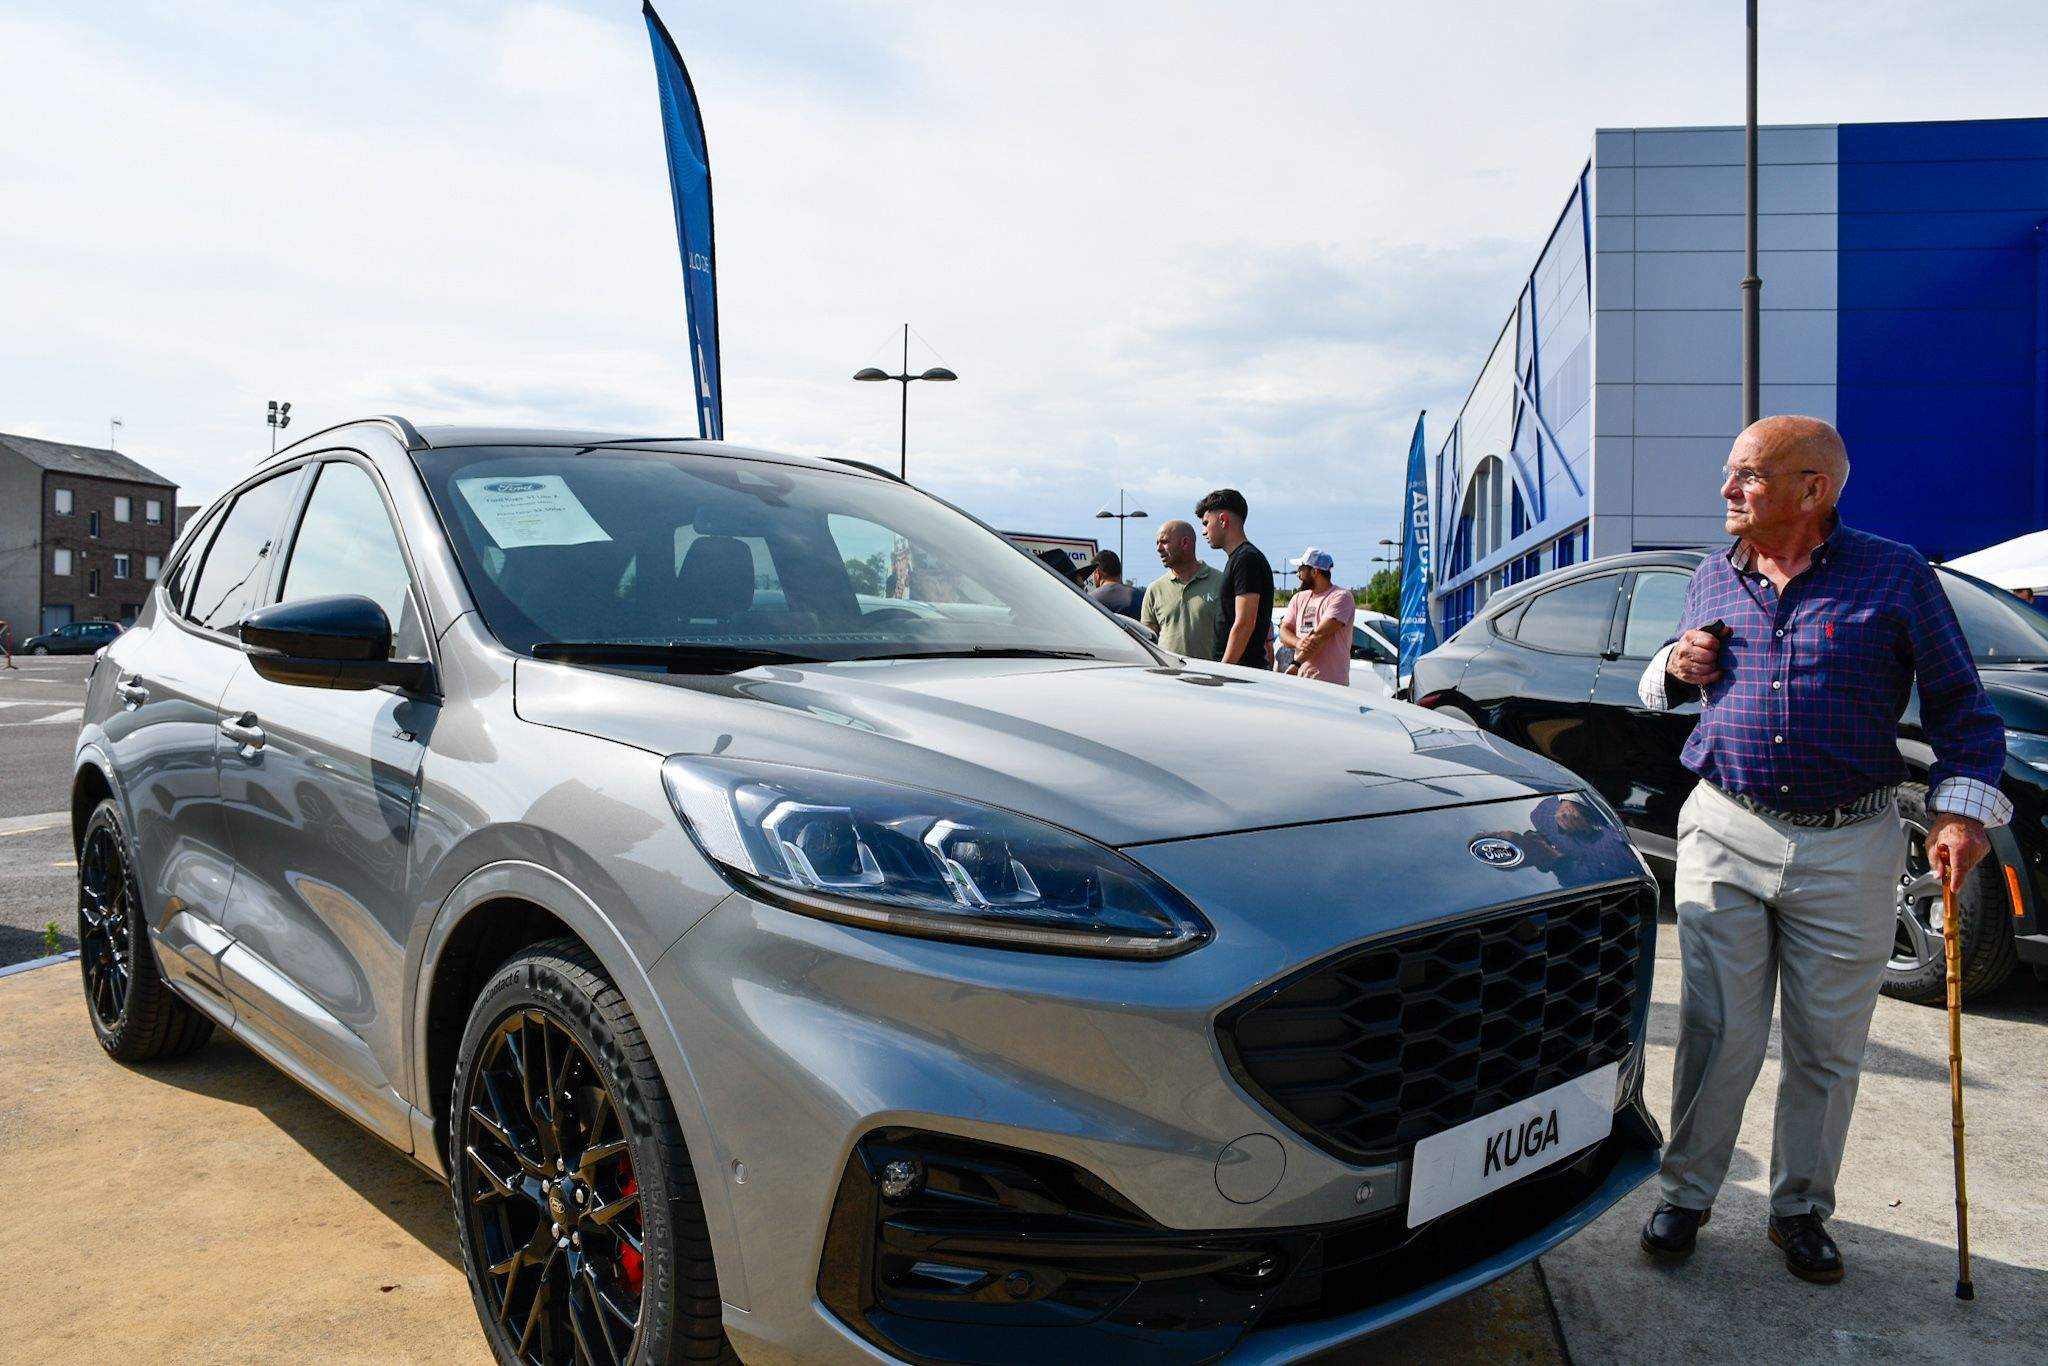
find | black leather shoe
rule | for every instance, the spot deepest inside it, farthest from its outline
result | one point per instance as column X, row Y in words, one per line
column 1809, row 1253
column 1672, row 1230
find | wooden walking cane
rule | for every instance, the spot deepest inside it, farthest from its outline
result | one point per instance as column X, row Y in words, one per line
column 1952, row 950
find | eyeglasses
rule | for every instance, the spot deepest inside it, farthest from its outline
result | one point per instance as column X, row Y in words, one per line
column 1749, row 479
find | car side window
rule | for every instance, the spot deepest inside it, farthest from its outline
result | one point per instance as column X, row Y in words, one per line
column 346, row 544
column 237, row 566
column 1653, row 612
column 1365, row 645
column 180, row 576
column 1573, row 619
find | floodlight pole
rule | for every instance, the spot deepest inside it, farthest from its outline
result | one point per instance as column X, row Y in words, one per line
column 1752, row 284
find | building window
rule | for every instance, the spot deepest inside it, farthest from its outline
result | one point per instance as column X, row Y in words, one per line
column 153, row 511
column 63, row 497
column 92, row 524
column 152, row 565
column 120, row 566
column 92, row 583
column 123, row 506
column 60, row 562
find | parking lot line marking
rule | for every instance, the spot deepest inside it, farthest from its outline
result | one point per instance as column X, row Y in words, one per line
column 42, row 820
column 68, row 714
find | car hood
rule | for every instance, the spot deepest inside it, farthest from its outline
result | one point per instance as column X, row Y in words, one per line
column 1121, row 753
column 2020, row 692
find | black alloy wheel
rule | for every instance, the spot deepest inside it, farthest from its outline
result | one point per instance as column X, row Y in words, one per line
column 560, row 1221
column 1917, row 969
column 134, row 1014
column 581, row 1227
column 104, row 941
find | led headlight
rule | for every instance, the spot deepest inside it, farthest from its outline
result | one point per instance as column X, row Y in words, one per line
column 2029, row 748
column 924, row 863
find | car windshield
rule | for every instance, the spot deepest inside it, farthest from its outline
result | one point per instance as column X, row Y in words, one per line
column 645, row 556
column 2001, row 628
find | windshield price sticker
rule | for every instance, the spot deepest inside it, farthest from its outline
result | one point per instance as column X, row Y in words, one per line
column 527, row 510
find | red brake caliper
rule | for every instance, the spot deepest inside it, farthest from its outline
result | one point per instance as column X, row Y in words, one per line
column 630, row 1264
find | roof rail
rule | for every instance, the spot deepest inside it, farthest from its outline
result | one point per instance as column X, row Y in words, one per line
column 871, row 469
column 402, row 429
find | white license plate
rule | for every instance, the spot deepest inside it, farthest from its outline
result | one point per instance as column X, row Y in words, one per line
column 1482, row 1155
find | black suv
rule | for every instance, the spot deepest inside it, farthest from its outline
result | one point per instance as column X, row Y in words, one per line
column 1554, row 667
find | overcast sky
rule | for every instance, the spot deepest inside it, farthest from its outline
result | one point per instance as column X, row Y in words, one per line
column 1167, row 246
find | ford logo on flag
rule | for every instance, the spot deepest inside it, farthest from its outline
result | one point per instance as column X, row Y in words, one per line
column 1491, row 849
column 514, row 486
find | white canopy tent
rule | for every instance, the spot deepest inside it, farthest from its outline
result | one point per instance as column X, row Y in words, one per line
column 2019, row 563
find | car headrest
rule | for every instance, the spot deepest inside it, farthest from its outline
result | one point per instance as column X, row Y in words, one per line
column 716, row 580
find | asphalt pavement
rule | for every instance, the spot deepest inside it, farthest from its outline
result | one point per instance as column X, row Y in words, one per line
column 40, row 706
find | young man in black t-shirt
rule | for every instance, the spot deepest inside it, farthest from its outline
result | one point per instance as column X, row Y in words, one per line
column 1244, row 609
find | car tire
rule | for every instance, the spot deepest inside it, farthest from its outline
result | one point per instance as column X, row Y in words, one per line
column 134, row 1013
column 509, row 1194
column 40, row 650
column 1918, row 969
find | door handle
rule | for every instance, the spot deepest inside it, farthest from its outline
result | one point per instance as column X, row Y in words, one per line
column 130, row 690
column 244, row 731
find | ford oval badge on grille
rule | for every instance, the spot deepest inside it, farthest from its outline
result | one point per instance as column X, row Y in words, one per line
column 1496, row 851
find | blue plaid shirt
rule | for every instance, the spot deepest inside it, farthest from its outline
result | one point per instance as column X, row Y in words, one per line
column 1805, row 715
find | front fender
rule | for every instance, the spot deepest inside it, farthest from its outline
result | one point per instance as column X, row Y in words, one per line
column 549, row 890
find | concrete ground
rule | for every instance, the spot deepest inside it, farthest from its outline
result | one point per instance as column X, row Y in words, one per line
column 209, row 1209
column 1895, row 1220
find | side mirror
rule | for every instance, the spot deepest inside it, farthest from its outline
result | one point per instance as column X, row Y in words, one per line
column 342, row 641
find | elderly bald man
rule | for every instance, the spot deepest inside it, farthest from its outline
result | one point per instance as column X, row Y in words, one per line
column 1802, row 642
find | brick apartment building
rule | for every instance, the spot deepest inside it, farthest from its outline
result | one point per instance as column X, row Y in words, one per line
column 83, row 533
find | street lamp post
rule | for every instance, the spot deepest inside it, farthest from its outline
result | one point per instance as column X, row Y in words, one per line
column 1752, row 286
column 1120, row 517
column 937, row 372
column 278, row 418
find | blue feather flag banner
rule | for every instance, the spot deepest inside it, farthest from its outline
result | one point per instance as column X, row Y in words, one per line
column 689, row 183
column 1418, row 636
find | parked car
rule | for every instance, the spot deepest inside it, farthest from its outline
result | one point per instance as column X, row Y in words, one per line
column 1555, row 667
column 78, row 638
column 1369, row 649
column 774, row 971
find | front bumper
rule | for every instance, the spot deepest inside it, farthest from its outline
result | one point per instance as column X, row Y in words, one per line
column 804, row 1039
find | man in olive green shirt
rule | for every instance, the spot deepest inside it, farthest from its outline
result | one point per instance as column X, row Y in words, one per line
column 1181, row 603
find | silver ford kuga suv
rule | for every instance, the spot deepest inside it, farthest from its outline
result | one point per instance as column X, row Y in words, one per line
column 801, row 927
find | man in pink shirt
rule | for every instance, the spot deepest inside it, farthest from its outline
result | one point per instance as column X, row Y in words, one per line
column 1317, row 626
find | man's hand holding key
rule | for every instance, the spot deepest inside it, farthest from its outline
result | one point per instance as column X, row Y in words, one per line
column 1696, row 658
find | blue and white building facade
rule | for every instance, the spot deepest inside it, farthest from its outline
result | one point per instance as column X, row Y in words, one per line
column 1905, row 299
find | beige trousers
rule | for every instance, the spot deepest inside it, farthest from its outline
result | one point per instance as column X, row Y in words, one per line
column 1764, row 906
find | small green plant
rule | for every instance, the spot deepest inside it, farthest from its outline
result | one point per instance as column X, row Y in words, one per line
column 52, row 941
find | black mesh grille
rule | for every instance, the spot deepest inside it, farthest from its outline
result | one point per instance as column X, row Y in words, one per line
column 1403, row 1038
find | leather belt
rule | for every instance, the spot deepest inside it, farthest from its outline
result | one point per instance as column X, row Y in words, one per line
column 1867, row 807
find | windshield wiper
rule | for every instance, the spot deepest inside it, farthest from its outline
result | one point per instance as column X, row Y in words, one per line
column 984, row 652
column 680, row 657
